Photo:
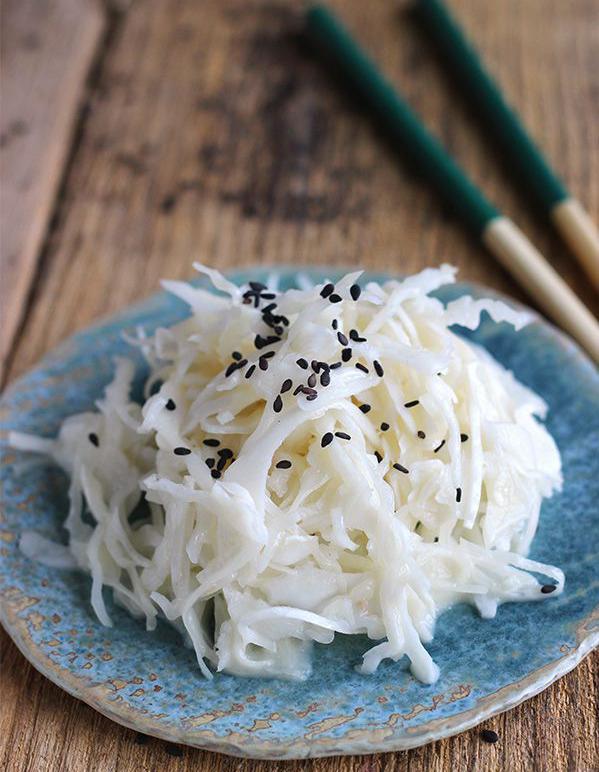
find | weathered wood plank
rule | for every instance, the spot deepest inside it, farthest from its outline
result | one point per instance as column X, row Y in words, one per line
column 46, row 52
column 213, row 134
column 216, row 135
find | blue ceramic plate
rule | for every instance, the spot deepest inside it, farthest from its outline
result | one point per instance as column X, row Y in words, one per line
column 150, row 682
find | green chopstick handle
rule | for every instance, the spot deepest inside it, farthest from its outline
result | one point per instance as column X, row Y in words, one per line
column 485, row 94
column 460, row 194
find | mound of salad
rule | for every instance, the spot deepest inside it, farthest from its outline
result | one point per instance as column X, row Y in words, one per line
column 326, row 459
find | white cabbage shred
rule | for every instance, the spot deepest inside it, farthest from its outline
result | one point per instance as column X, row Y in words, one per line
column 262, row 534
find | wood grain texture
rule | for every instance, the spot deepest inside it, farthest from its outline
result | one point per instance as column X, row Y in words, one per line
column 212, row 133
column 47, row 49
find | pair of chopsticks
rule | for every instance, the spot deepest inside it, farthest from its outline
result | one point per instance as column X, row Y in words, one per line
column 499, row 234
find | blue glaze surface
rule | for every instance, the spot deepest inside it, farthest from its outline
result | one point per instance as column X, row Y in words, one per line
column 150, row 682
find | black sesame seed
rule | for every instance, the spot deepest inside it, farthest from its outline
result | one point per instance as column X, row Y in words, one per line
column 420, row 434
column 277, row 405
column 489, row 736
column 93, row 438
column 312, row 380
column 378, row 368
column 363, row 368
column 438, row 448
column 327, row 290
column 342, row 435
column 365, row 408
column 335, row 298
column 268, row 354
column 250, row 371
column 547, row 588
column 241, row 363
column 181, row 451
column 342, row 339
column 308, row 390
column 326, row 439
column 267, row 295
column 463, row 437
column 355, row 291
column 261, row 342
column 315, row 365
column 263, row 363
column 267, row 309
column 215, row 473
column 355, row 336
column 401, row 468
column 170, row 405
column 212, row 443
column 286, row 385
column 257, row 286
column 209, row 463
column 225, row 453
column 384, row 426
column 413, row 403
column 325, row 378
column 334, row 324
column 346, row 354
column 283, row 464
column 311, row 397
column 335, row 365
column 458, row 494
column 302, row 363
column 231, row 369
column 379, row 458
column 236, row 355
column 298, row 390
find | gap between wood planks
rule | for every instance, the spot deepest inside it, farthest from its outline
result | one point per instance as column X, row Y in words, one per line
column 113, row 13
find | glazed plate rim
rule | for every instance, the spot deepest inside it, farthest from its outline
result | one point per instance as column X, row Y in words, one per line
column 516, row 693
column 497, row 702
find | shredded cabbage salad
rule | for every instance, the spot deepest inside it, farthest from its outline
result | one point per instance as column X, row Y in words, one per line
column 321, row 460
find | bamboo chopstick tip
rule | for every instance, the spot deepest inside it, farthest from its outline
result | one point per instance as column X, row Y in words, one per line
column 580, row 234
column 523, row 260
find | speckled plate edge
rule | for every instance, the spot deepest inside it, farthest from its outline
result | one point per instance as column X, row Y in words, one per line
column 355, row 741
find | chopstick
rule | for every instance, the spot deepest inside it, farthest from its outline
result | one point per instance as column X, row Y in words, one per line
column 571, row 220
column 500, row 235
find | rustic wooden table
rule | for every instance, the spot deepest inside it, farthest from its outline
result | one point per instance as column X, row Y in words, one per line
column 139, row 136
